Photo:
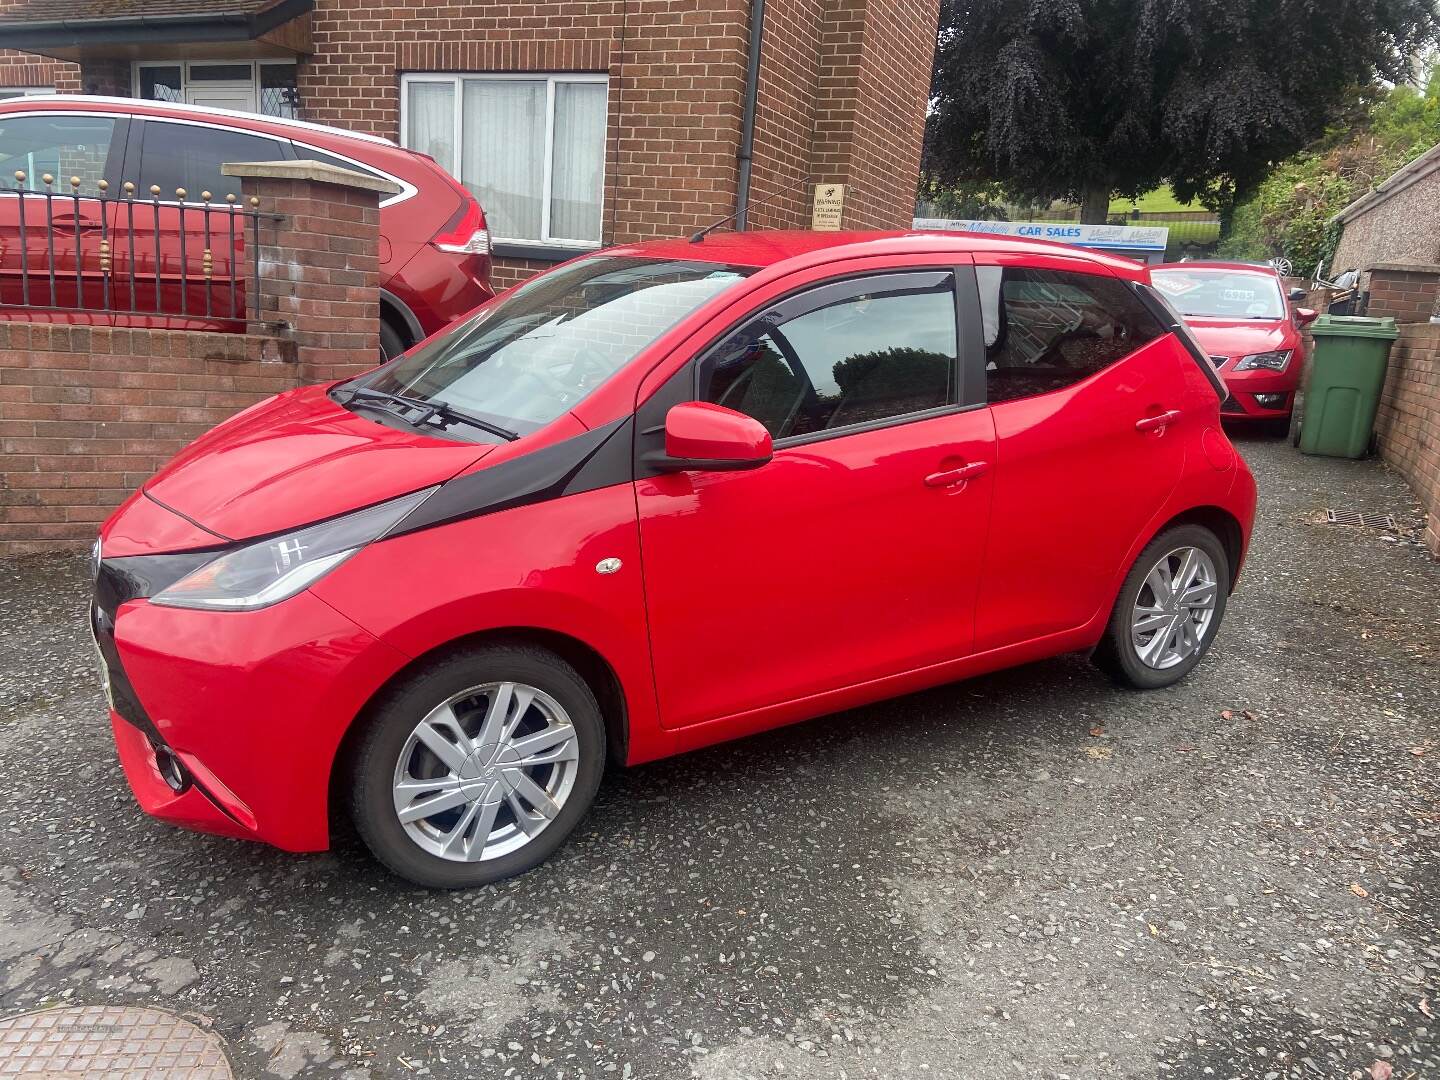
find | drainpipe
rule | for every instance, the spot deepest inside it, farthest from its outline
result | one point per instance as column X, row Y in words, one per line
column 747, row 119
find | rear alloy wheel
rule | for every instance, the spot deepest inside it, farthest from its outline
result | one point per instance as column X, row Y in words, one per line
column 478, row 768
column 1169, row 609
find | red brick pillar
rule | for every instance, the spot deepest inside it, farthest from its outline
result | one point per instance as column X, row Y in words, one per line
column 1406, row 292
column 319, row 261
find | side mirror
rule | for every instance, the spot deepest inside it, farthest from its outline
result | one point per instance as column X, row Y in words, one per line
column 1297, row 294
column 1305, row 316
column 702, row 436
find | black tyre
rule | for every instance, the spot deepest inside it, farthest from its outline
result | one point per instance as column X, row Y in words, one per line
column 392, row 342
column 1169, row 609
column 477, row 767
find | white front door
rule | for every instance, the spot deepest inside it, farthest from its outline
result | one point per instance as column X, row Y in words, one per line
column 222, row 95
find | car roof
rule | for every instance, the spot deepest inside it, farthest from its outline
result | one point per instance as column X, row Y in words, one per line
column 766, row 248
column 142, row 106
column 1218, row 264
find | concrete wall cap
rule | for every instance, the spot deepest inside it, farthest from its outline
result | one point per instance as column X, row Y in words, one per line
column 310, row 170
column 1432, row 269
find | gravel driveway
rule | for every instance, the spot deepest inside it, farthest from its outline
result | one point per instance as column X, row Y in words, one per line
column 1031, row 874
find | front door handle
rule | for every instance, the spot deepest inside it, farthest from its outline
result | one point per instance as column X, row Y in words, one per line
column 955, row 477
column 1155, row 423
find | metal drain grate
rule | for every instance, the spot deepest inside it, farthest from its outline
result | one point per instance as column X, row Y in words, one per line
column 109, row 1041
column 1357, row 517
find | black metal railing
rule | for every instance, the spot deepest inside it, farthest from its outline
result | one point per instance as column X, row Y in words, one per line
column 177, row 259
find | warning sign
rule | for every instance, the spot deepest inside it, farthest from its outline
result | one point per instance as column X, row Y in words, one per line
column 829, row 207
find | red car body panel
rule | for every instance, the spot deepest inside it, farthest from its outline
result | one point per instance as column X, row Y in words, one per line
column 434, row 287
column 1226, row 341
column 297, row 458
column 845, row 570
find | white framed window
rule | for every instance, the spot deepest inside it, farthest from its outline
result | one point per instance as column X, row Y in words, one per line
column 529, row 147
column 267, row 87
column 7, row 92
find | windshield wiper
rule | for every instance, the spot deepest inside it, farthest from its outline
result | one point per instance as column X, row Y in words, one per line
column 436, row 410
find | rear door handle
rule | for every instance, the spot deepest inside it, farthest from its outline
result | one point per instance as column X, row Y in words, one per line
column 955, row 477
column 84, row 224
column 1155, row 423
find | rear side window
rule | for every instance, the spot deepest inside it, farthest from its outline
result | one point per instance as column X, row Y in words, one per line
column 189, row 156
column 1047, row 329
column 844, row 355
column 61, row 145
column 310, row 153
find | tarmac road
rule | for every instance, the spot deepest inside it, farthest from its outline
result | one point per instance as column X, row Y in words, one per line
column 1031, row 874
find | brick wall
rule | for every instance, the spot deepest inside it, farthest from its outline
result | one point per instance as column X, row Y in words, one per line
column 843, row 86
column 1405, row 292
column 23, row 71
column 1408, row 424
column 88, row 413
column 91, row 412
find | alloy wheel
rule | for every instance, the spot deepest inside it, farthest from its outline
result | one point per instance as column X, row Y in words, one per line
column 1174, row 608
column 485, row 772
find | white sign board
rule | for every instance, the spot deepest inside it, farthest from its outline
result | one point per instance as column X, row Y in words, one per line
column 1102, row 237
column 829, row 207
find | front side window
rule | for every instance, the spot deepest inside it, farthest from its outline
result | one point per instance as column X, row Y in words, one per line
column 538, row 352
column 189, row 156
column 1047, row 329
column 531, row 149
column 1221, row 294
column 884, row 347
column 58, row 144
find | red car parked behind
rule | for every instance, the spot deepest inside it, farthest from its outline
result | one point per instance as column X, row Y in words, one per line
column 660, row 497
column 1243, row 316
column 434, row 248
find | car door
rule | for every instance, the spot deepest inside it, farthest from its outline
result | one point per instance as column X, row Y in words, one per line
column 170, row 239
column 1088, row 397
column 51, row 247
column 854, row 553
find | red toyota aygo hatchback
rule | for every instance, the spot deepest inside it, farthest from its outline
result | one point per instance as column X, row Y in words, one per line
column 659, row 497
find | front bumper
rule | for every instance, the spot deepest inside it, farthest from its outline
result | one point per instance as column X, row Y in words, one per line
column 230, row 722
column 1260, row 394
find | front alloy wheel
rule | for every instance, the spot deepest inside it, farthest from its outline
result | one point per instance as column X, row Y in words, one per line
column 478, row 766
column 485, row 772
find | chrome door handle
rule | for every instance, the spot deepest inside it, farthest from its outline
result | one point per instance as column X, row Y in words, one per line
column 954, row 477
column 1155, row 423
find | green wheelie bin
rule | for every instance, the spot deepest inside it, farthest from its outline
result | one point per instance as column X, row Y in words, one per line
column 1347, row 373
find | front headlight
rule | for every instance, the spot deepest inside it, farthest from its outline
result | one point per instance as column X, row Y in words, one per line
column 1274, row 361
column 273, row 570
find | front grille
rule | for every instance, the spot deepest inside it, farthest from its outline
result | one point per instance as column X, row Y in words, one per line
column 1230, row 405
column 116, row 582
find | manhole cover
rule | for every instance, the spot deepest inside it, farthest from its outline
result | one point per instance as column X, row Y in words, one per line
column 1361, row 518
column 100, row 1041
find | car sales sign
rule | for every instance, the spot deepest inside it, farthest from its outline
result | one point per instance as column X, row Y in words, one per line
column 1102, row 237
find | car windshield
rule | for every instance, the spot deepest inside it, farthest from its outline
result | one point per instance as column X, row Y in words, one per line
column 1221, row 294
column 525, row 360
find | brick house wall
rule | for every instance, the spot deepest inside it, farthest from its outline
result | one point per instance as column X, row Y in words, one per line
column 842, row 93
